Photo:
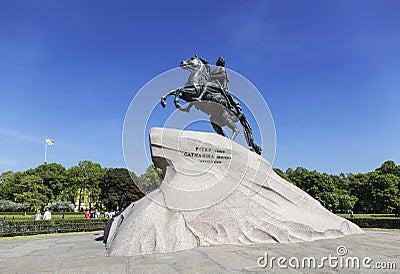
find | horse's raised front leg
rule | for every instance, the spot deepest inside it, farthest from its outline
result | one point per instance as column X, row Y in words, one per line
column 164, row 98
column 176, row 100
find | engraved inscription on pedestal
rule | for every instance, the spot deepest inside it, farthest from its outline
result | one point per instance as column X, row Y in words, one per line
column 209, row 155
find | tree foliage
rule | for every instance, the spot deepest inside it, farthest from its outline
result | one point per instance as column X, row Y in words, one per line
column 86, row 177
column 33, row 191
column 54, row 177
column 119, row 189
column 374, row 192
column 151, row 179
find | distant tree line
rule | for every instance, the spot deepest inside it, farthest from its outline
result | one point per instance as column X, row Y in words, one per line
column 61, row 189
column 91, row 185
column 377, row 191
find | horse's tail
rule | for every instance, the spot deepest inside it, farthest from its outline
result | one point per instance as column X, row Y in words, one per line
column 248, row 134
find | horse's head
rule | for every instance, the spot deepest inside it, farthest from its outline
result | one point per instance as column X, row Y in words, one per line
column 194, row 63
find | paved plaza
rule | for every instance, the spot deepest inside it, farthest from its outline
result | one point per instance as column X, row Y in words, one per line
column 85, row 253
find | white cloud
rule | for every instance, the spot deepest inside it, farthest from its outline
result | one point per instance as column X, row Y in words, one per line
column 20, row 136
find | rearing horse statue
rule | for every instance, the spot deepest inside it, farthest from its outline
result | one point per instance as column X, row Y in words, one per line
column 214, row 101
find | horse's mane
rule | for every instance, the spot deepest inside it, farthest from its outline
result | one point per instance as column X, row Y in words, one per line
column 204, row 61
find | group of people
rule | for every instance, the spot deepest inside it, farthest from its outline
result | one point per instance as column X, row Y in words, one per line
column 88, row 214
column 92, row 214
column 109, row 215
column 46, row 215
column 96, row 214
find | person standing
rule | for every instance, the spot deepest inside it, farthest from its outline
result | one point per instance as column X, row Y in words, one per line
column 47, row 215
column 37, row 216
column 87, row 214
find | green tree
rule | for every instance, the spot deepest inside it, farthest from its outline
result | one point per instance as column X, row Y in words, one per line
column 151, row 179
column 54, row 177
column 118, row 188
column 31, row 190
column 86, row 177
column 281, row 173
column 7, row 185
column 361, row 188
column 347, row 201
column 11, row 184
column 332, row 191
column 388, row 167
column 384, row 192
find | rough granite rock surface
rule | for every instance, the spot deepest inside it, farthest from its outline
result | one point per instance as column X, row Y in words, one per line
column 216, row 192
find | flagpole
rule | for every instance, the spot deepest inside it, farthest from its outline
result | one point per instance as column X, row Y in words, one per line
column 45, row 153
column 48, row 142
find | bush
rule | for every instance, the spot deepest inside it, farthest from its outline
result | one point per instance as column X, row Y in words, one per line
column 52, row 221
column 59, row 206
column 13, row 206
column 15, row 228
column 376, row 223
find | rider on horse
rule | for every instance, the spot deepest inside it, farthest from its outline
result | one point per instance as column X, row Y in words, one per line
column 213, row 86
column 220, row 77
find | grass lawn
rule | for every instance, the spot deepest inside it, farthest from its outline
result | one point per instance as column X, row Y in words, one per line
column 383, row 229
column 370, row 216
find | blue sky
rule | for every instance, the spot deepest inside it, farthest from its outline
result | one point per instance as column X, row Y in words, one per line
column 329, row 71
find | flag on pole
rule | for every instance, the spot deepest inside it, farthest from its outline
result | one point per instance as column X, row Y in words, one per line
column 49, row 142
